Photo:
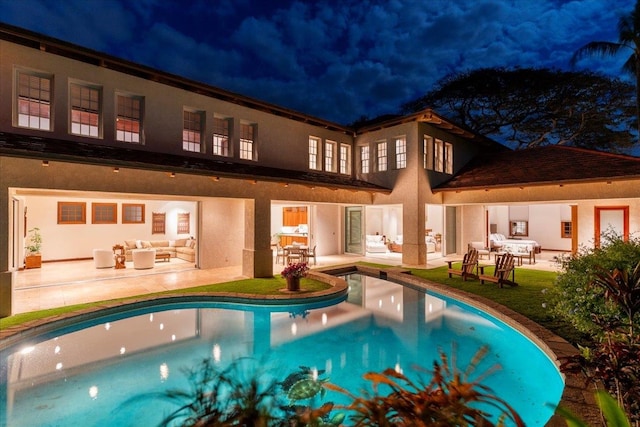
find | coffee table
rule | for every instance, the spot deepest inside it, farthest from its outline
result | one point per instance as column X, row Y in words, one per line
column 164, row 256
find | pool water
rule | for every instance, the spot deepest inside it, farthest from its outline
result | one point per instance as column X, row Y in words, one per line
column 84, row 377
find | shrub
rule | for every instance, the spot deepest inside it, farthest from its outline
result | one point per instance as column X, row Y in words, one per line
column 578, row 299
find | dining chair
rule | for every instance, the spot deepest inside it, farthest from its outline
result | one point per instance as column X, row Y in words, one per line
column 312, row 254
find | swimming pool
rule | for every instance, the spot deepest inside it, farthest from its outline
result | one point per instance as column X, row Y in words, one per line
column 84, row 377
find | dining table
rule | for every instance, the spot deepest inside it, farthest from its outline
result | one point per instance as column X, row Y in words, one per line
column 295, row 252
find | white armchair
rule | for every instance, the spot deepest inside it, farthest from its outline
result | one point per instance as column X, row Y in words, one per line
column 104, row 258
column 143, row 258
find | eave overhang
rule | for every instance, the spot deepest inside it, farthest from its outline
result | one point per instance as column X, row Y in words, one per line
column 50, row 149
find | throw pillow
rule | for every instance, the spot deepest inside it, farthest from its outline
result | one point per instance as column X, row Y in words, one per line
column 130, row 244
column 181, row 242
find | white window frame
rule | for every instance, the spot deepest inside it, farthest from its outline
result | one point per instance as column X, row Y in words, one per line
column 345, row 159
column 221, row 136
column 382, row 156
column 330, row 156
column 34, row 96
column 448, row 158
column 401, row 152
column 128, row 118
column 314, row 152
column 192, row 130
column 247, row 141
column 427, row 154
column 438, row 155
column 365, row 154
column 85, row 107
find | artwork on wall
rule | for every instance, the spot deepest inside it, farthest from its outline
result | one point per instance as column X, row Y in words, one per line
column 183, row 223
column 158, row 222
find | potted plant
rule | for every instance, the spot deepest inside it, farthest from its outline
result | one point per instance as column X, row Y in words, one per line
column 292, row 274
column 33, row 258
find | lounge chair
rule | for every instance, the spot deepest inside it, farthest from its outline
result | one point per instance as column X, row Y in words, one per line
column 468, row 267
column 505, row 267
column 483, row 251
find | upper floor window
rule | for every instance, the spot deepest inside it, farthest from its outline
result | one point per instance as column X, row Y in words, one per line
column 314, row 154
column 247, row 141
column 221, row 137
column 364, row 159
column 129, row 119
column 427, row 152
column 448, row 158
column 438, row 155
column 86, row 114
column 192, row 131
column 330, row 156
column 345, row 159
column 381, row 153
column 401, row 152
column 34, row 101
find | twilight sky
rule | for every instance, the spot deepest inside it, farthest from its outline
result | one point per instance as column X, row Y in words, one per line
column 334, row 59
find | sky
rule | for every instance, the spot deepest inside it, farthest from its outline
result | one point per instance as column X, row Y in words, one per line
column 338, row 60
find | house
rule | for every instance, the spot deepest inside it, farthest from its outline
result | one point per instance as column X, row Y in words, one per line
column 96, row 151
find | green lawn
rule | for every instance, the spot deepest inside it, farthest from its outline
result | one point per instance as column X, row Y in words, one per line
column 527, row 299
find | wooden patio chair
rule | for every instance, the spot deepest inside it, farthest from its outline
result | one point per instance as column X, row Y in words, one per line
column 468, row 267
column 505, row 267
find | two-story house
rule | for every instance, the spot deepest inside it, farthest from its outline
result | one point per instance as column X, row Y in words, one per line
column 96, row 151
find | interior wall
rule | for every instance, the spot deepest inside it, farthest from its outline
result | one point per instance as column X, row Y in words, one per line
column 434, row 219
column 327, row 230
column 74, row 241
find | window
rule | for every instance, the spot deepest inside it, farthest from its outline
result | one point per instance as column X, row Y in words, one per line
column 72, row 213
column 34, row 101
column 220, row 137
column 381, row 152
column 519, row 228
column 364, row 159
column 85, row 110
column 314, row 146
column 132, row 213
column 448, row 158
column 345, row 159
column 427, row 152
column 104, row 213
column 247, row 141
column 158, row 222
column 401, row 153
column 330, row 156
column 191, row 131
column 129, row 119
column 438, row 156
column 566, row 229
column 183, row 223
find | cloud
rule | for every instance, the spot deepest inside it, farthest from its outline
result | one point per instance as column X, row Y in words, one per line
column 335, row 59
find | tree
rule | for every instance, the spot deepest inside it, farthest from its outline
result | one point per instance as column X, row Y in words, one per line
column 528, row 107
column 628, row 38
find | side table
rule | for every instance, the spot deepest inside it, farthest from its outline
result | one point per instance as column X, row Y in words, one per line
column 118, row 250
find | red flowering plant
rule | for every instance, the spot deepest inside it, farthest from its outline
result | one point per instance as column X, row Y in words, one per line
column 298, row 269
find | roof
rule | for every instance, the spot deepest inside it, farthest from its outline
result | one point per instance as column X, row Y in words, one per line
column 16, row 145
column 540, row 166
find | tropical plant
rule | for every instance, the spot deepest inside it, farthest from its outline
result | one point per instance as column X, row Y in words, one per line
column 449, row 398
column 35, row 241
column 629, row 41
column 612, row 360
column 579, row 297
column 612, row 412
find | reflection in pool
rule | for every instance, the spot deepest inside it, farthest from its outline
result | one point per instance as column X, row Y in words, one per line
column 83, row 377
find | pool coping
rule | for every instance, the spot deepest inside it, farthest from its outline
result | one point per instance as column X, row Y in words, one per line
column 577, row 397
